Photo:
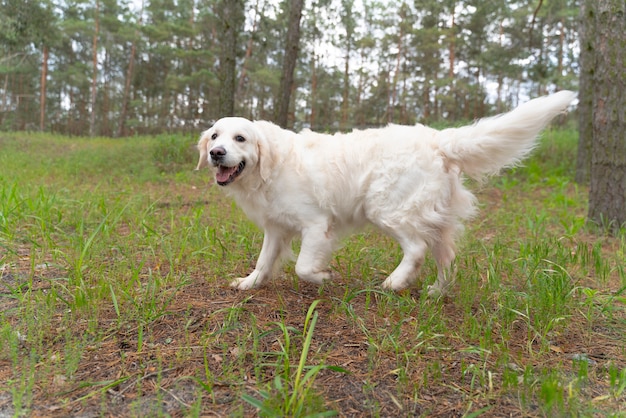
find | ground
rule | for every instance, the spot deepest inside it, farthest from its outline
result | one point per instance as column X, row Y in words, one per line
column 533, row 327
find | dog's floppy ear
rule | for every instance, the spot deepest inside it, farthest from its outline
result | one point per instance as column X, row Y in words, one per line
column 266, row 153
column 202, row 149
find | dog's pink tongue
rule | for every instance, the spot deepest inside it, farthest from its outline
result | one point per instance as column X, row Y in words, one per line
column 224, row 173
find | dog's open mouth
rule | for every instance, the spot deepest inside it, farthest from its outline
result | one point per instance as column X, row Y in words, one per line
column 226, row 175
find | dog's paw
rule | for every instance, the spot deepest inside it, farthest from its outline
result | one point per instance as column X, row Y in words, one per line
column 317, row 278
column 245, row 283
column 395, row 285
column 435, row 292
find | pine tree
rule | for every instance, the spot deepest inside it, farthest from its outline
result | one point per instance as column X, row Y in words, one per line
column 231, row 19
column 292, row 46
column 607, row 194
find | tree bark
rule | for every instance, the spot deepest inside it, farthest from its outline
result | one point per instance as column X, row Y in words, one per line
column 121, row 126
column 258, row 13
column 607, row 194
column 42, row 94
column 231, row 18
column 585, row 91
column 345, row 99
column 313, row 109
column 452, row 59
column 94, row 80
column 292, row 47
column 396, row 73
column 451, row 46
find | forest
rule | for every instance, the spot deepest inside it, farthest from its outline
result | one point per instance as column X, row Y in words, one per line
column 131, row 67
column 116, row 256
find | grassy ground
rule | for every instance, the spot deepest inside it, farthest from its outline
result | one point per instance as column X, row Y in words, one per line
column 114, row 263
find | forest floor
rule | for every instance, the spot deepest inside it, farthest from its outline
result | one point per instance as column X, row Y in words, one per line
column 114, row 301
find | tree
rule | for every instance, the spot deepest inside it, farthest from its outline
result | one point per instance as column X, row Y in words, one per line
column 94, row 62
column 585, row 91
column 292, row 46
column 349, row 24
column 607, row 193
column 121, row 125
column 231, row 18
column 27, row 27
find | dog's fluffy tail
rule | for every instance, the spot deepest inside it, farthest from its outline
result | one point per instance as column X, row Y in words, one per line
column 491, row 144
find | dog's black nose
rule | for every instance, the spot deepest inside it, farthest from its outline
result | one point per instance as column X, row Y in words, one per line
column 217, row 153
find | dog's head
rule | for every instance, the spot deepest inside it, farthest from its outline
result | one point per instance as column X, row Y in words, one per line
column 236, row 148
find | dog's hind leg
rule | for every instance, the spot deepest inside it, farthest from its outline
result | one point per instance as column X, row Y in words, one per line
column 317, row 247
column 276, row 246
column 405, row 274
column 444, row 254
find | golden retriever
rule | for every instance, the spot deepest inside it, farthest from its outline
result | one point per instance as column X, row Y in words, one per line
column 406, row 180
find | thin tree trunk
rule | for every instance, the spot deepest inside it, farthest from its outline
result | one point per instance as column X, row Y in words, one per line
column 585, row 92
column 359, row 93
column 244, row 67
column 42, row 94
column 436, row 106
column 396, row 74
column 313, row 91
column 121, row 126
column 561, row 49
column 192, row 107
column 426, row 102
column 451, row 47
column 5, row 90
column 92, row 101
column 346, row 88
column 532, row 23
column 105, row 106
column 452, row 58
column 292, row 47
column 500, row 102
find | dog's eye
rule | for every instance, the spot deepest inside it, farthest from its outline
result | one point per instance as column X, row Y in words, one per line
column 240, row 138
column 214, row 136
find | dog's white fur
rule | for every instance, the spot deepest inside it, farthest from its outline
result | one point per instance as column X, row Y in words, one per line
column 406, row 180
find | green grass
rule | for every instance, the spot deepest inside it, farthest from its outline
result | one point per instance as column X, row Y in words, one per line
column 115, row 257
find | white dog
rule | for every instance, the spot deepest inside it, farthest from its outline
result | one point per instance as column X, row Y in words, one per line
column 406, row 180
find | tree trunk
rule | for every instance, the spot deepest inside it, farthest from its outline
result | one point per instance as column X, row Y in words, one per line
column 103, row 111
column 426, row 102
column 292, row 47
column 396, row 74
column 313, row 91
column 42, row 94
column 585, row 91
column 346, row 88
column 92, row 101
column 451, row 46
column 258, row 13
column 561, row 51
column 607, row 194
column 121, row 126
column 5, row 91
column 452, row 58
column 499, row 100
column 231, row 17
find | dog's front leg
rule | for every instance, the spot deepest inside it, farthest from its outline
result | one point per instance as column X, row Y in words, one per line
column 276, row 245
